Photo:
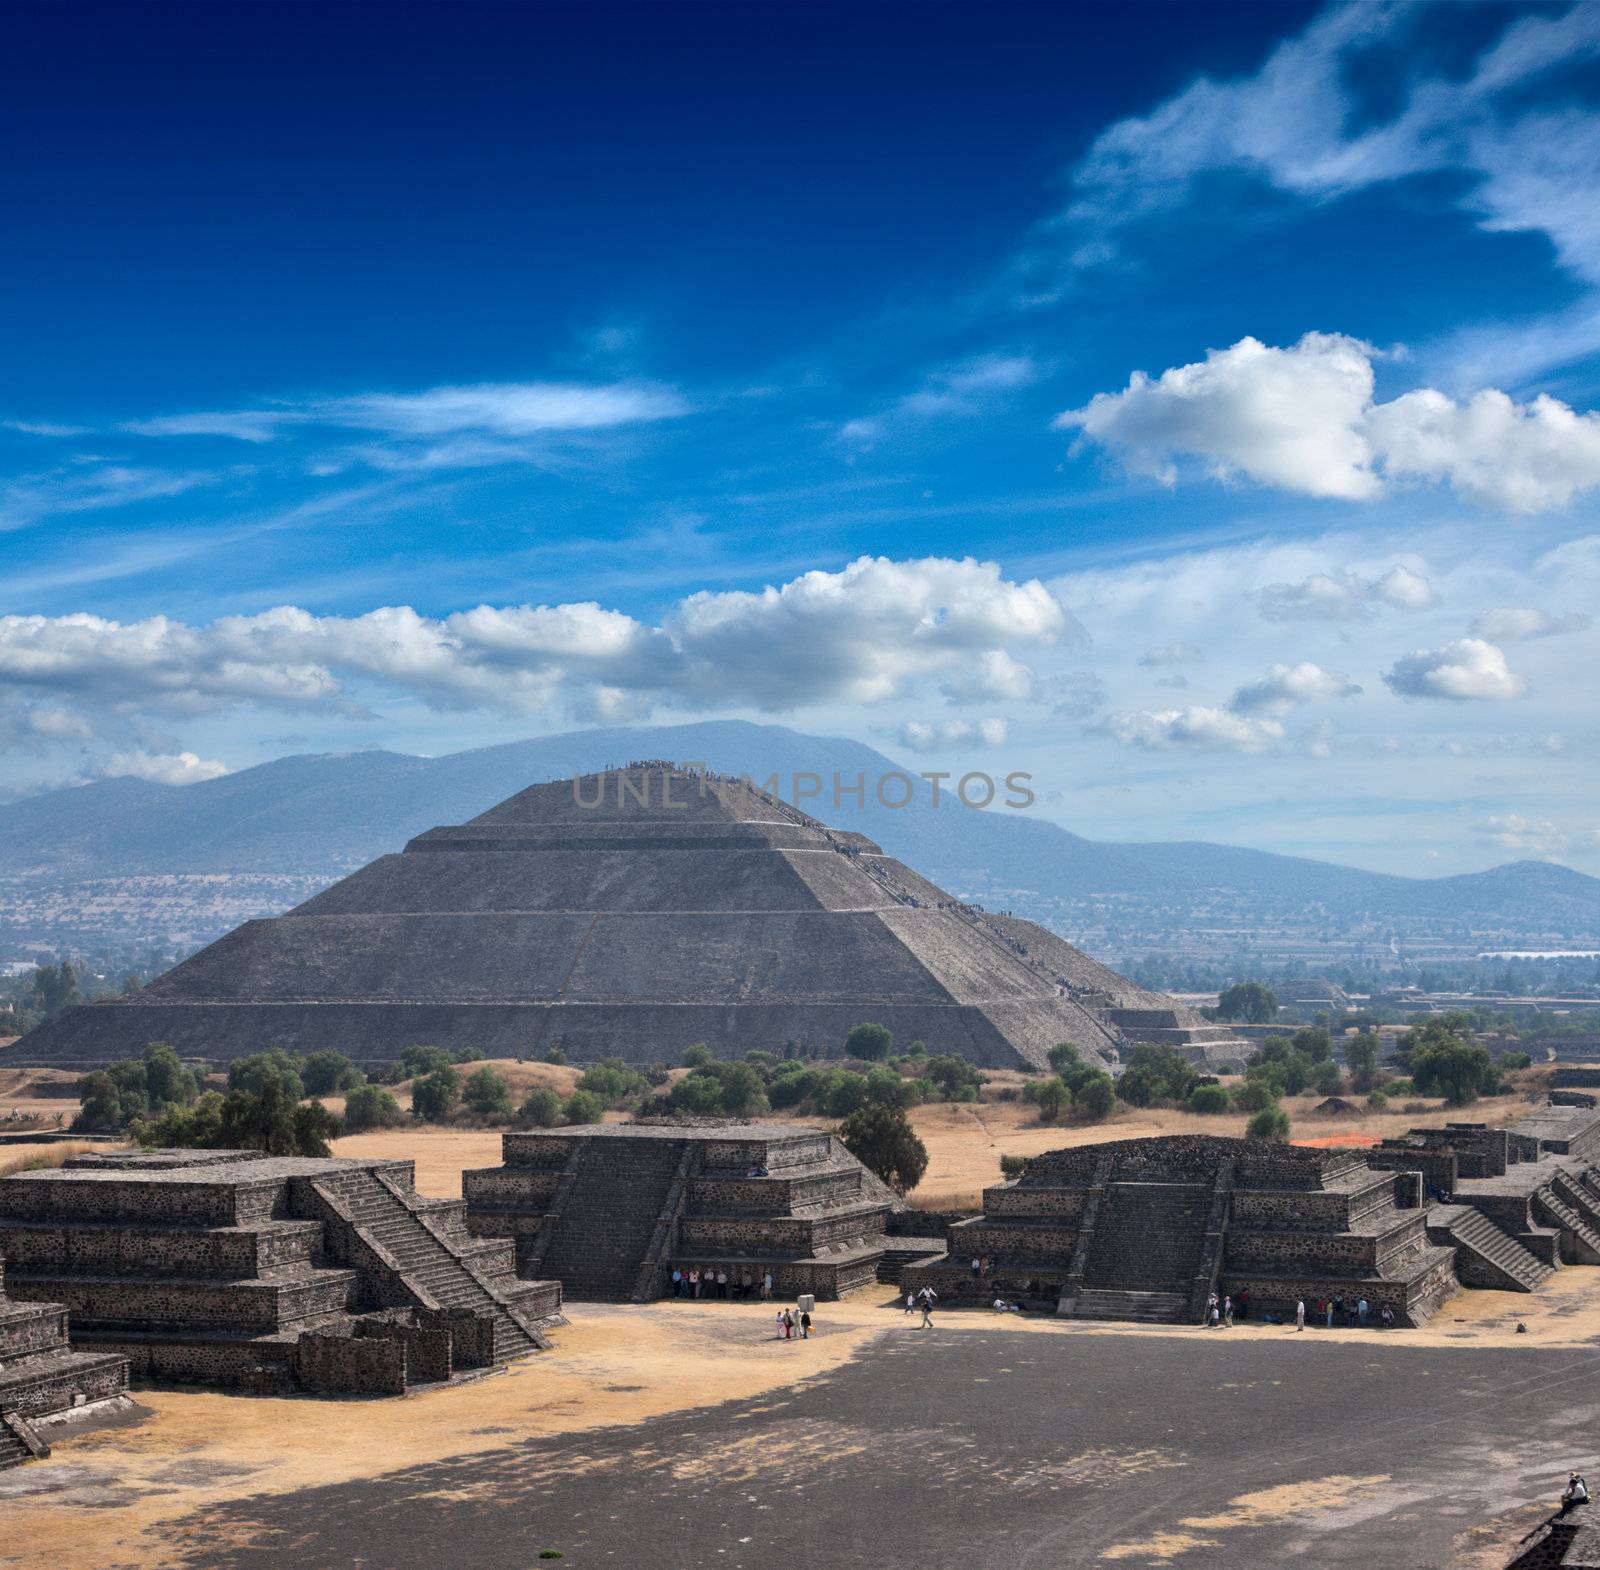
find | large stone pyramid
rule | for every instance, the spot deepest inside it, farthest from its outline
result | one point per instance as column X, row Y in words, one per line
column 630, row 914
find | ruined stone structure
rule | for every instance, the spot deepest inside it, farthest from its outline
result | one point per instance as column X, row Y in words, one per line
column 1149, row 1228
column 632, row 915
column 227, row 1267
column 612, row 1209
column 40, row 1374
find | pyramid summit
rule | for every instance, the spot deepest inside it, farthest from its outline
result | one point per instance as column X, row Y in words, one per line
column 631, row 914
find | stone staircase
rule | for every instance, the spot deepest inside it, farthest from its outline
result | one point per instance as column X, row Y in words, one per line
column 1149, row 1238
column 428, row 1260
column 1151, row 1308
column 908, row 1251
column 14, row 1450
column 601, row 1233
column 1498, row 1255
column 1554, row 1205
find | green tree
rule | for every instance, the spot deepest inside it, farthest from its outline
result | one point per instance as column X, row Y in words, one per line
column 1155, row 1073
column 100, row 1110
column 698, row 1095
column 55, row 989
column 1052, row 1098
column 1361, row 1057
column 1063, row 1055
column 1509, row 1062
column 1458, row 1070
column 698, row 1056
column 417, row 1062
column 1377, row 1101
column 1326, row 1079
column 541, row 1108
column 956, row 1078
column 1252, row 1096
column 371, row 1106
column 329, row 1074
column 581, row 1107
column 557, row 1056
column 1094, row 1095
column 486, row 1093
column 845, row 1092
column 1313, row 1042
column 253, row 1073
column 1269, row 1123
column 889, row 1089
column 434, row 1096
column 1248, row 1001
column 1208, row 1099
column 883, row 1141
column 613, row 1081
column 167, row 1083
column 870, row 1043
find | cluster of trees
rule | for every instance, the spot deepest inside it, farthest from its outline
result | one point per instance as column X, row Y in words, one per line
column 114, row 1096
column 1443, row 1061
column 1088, row 1092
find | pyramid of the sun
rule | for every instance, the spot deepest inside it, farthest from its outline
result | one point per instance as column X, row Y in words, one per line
column 631, row 914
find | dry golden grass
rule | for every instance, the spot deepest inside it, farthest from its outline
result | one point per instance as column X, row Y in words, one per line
column 28, row 1157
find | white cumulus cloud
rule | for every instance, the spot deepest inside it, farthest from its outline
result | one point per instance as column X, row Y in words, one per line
column 1343, row 596
column 1286, row 687
column 1468, row 670
column 182, row 768
column 1203, row 729
column 934, row 736
column 1304, row 419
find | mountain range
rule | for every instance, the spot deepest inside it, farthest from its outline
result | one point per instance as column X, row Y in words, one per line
column 316, row 817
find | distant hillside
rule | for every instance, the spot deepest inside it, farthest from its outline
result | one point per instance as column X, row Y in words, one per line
column 319, row 816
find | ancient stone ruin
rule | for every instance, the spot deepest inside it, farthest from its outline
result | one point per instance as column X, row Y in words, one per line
column 632, row 914
column 41, row 1376
column 231, row 1268
column 1150, row 1228
column 612, row 1209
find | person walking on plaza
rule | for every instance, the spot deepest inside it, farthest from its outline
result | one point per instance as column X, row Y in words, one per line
column 911, row 1303
column 766, row 1286
column 1300, row 1314
column 677, row 1283
column 1361, row 1313
column 927, row 1297
column 805, row 1324
column 1227, row 1313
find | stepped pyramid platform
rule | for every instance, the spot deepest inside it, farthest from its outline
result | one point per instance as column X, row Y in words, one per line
column 631, row 914
column 233, row 1268
column 40, row 1374
column 1148, row 1228
column 612, row 1209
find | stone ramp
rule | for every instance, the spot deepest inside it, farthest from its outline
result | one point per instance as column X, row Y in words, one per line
column 1486, row 1255
column 601, row 1229
column 424, row 1259
column 1553, row 1205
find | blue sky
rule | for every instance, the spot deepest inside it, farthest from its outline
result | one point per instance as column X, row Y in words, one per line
column 1191, row 405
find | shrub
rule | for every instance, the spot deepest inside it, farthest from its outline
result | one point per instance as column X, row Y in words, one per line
column 371, row 1106
column 884, row 1142
column 556, row 1055
column 329, row 1074
column 486, row 1093
column 917, row 1049
column 1377, row 1101
column 844, row 1093
column 1416, row 1106
column 956, row 1078
column 541, row 1107
column 1095, row 1095
column 700, row 1095
column 1052, row 1098
column 1326, row 1080
column 613, row 1081
column 101, row 1109
column 1208, row 1099
column 697, row 1056
column 1063, row 1055
column 434, row 1096
column 871, row 1043
column 418, row 1062
column 1399, row 1087
column 788, row 1090
column 1248, row 1001
column 1313, row 1041
column 1269, row 1123
column 1511, row 1061
column 1253, row 1095
column 582, row 1107
column 264, row 1120
column 1013, row 1166
column 1154, row 1073
column 888, row 1089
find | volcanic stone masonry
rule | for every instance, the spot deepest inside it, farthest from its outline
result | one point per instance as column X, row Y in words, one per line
column 227, row 1267
column 1149, row 1228
column 633, row 914
column 41, row 1376
column 612, row 1209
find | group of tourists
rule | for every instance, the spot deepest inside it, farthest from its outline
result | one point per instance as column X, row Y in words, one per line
column 695, row 1282
column 789, row 1321
column 1331, row 1311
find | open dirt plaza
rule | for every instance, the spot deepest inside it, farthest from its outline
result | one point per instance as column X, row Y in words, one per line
column 686, row 1434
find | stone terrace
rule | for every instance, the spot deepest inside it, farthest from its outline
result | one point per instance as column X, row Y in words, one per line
column 1147, row 1229
column 612, row 1209
column 227, row 1267
column 41, row 1375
